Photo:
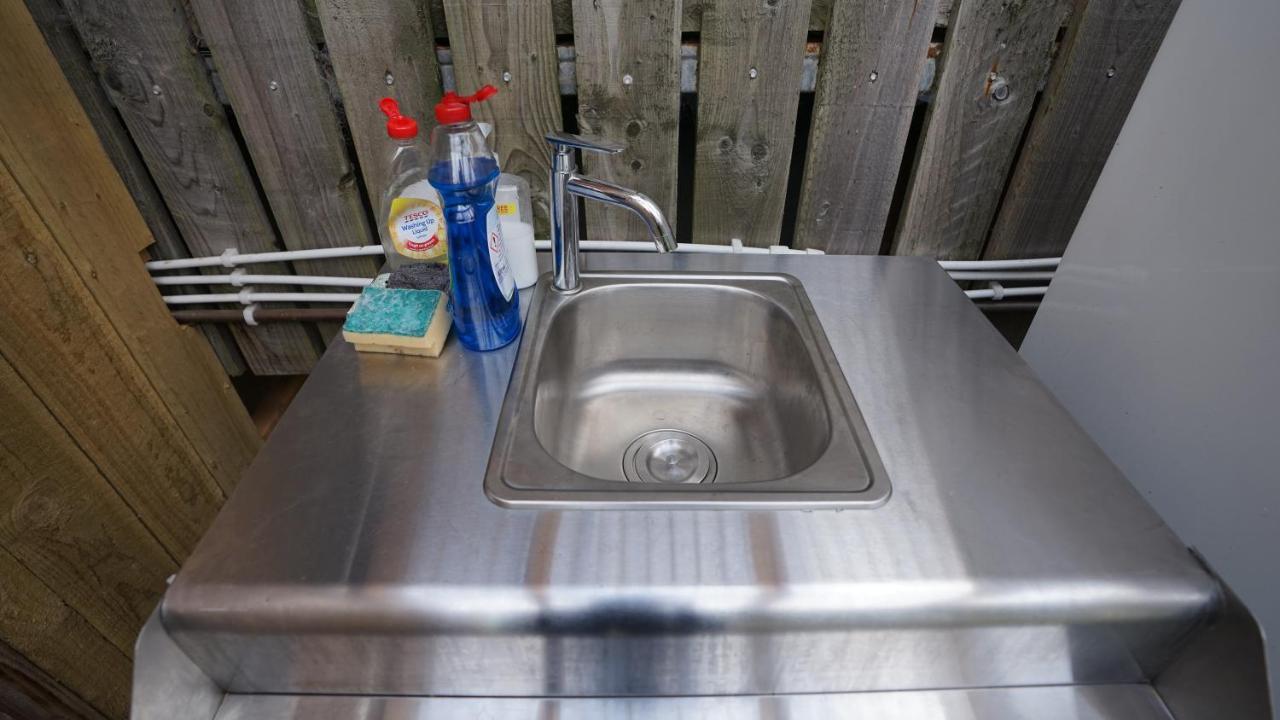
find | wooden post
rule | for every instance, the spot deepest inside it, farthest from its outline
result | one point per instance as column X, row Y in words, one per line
column 628, row 71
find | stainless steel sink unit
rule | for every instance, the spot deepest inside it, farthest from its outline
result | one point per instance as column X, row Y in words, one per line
column 680, row 390
column 360, row 571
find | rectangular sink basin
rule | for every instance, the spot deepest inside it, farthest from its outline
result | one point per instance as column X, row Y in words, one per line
column 675, row 389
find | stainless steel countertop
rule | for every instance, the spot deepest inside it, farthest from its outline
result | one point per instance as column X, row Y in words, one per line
column 1062, row 702
column 360, row 554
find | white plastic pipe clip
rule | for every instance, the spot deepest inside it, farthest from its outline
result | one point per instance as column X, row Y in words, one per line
column 228, row 257
column 245, row 295
column 997, row 290
column 248, row 311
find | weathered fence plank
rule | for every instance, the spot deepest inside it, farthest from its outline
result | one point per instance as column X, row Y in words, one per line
column 690, row 18
column 59, row 641
column 161, row 88
column 88, row 234
column 748, row 92
column 63, row 41
column 1110, row 44
column 510, row 44
column 62, row 519
column 996, row 57
column 267, row 63
column 872, row 57
column 628, row 72
column 381, row 49
column 65, row 347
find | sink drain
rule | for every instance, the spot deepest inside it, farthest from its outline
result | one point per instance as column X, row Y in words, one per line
column 670, row 457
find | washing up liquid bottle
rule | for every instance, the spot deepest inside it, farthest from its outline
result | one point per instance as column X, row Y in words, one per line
column 411, row 217
column 483, row 299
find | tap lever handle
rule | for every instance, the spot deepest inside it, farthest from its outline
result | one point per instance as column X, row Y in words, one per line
column 563, row 141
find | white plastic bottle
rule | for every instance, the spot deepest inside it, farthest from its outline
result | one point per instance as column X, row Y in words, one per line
column 512, row 199
column 410, row 216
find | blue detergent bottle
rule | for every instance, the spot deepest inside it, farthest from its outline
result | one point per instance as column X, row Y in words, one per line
column 483, row 299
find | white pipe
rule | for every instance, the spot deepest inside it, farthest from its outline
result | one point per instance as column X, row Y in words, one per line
column 231, row 258
column 999, row 264
column 240, row 280
column 998, row 275
column 248, row 298
column 1001, row 293
column 734, row 247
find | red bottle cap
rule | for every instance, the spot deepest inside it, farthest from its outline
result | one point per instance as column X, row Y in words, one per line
column 398, row 126
column 455, row 108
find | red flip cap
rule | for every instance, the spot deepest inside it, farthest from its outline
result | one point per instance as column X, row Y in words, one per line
column 398, row 126
column 455, row 108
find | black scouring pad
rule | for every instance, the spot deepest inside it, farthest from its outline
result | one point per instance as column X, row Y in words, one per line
column 420, row 276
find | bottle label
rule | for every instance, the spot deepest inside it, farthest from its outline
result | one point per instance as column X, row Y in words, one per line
column 417, row 229
column 498, row 254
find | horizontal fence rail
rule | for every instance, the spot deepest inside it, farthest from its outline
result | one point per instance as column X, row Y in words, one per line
column 957, row 129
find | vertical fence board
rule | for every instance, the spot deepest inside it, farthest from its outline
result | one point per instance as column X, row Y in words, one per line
column 690, row 19
column 369, row 43
column 872, row 57
column 267, row 63
column 490, row 38
column 159, row 85
column 628, row 73
column 56, row 639
column 1105, row 56
column 749, row 72
column 65, row 45
column 62, row 520
column 971, row 134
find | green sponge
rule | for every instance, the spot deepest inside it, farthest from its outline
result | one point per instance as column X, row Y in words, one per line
column 395, row 320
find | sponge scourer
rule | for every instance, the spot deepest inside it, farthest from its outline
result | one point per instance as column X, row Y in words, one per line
column 398, row 320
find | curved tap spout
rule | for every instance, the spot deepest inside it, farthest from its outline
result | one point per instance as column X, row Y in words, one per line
column 566, row 184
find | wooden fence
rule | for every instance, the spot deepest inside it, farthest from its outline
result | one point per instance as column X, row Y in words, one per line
column 951, row 128
column 120, row 434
